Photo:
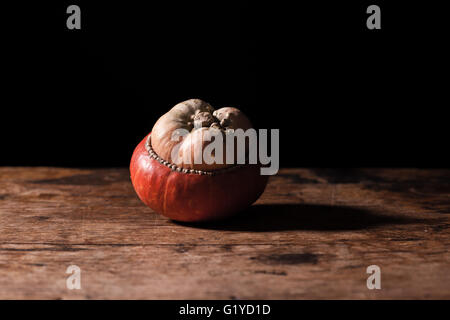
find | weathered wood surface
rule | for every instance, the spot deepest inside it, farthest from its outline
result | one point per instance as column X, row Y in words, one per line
column 311, row 235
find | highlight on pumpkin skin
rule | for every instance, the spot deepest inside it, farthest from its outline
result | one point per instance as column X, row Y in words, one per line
column 194, row 136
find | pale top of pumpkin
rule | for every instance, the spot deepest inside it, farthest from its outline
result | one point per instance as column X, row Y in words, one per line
column 202, row 123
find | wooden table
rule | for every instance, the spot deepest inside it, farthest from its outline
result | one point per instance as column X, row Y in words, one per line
column 311, row 235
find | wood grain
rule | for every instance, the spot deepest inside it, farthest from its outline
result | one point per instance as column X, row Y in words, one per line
column 310, row 236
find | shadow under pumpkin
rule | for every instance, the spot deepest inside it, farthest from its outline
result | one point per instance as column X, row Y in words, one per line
column 290, row 217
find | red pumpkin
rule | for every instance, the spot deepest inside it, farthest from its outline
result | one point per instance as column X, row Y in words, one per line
column 193, row 191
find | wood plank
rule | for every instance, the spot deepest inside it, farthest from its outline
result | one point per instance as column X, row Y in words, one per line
column 311, row 235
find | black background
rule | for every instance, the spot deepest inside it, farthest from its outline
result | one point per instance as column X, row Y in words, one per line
column 341, row 95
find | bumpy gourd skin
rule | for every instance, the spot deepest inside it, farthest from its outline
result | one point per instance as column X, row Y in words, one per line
column 202, row 122
column 198, row 192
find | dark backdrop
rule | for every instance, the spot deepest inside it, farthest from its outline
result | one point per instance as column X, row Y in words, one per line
column 341, row 95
